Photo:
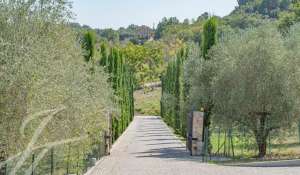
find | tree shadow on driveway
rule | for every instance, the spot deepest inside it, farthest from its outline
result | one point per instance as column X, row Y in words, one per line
column 175, row 153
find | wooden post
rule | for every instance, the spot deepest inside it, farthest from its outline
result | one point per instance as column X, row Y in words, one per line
column 32, row 166
column 106, row 141
column 52, row 161
column 219, row 135
column 225, row 138
column 110, row 133
column 232, row 144
column 77, row 164
column 2, row 159
column 3, row 168
column 68, row 159
column 243, row 140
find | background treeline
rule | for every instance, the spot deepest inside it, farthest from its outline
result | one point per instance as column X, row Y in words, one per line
column 55, row 96
column 170, row 34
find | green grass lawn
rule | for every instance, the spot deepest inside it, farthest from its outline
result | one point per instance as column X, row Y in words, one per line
column 244, row 146
column 147, row 102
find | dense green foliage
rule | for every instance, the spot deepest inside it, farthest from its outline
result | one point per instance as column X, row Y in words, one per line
column 175, row 87
column 121, row 78
column 290, row 17
column 109, row 34
column 136, row 34
column 173, row 94
column 252, row 87
column 252, row 81
column 270, row 8
column 163, row 24
column 202, row 82
column 209, row 36
column 89, row 45
column 146, row 61
column 249, row 80
column 48, row 96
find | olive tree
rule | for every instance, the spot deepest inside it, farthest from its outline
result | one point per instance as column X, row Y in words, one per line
column 44, row 82
column 253, row 86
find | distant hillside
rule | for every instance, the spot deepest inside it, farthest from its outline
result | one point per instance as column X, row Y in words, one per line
column 148, row 50
column 174, row 33
column 269, row 8
column 133, row 33
column 248, row 13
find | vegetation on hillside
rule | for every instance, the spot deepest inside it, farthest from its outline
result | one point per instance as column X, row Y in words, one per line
column 53, row 94
column 242, row 70
column 171, row 34
column 251, row 78
column 247, row 80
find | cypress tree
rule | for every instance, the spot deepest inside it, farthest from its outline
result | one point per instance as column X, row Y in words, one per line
column 172, row 85
column 209, row 40
column 104, row 55
column 89, row 45
column 209, row 36
column 121, row 78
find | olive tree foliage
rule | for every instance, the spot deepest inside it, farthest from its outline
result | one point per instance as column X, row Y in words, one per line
column 198, row 74
column 292, row 43
column 252, row 82
column 253, row 86
column 44, row 80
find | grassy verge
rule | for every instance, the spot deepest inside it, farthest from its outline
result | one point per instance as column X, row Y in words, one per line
column 244, row 148
column 147, row 101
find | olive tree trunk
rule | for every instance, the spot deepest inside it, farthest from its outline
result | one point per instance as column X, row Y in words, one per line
column 261, row 132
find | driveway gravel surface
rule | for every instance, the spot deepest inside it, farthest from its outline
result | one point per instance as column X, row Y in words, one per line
column 148, row 147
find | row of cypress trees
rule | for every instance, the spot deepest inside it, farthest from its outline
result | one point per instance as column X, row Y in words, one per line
column 121, row 78
column 175, row 89
column 173, row 94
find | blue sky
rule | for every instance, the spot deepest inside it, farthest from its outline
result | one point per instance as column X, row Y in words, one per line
column 121, row 13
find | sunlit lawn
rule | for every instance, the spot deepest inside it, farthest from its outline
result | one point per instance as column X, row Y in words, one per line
column 147, row 102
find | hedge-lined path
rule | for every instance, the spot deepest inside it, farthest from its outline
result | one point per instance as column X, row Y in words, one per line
column 148, row 147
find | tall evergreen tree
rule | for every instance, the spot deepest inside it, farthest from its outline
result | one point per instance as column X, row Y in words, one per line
column 88, row 44
column 209, row 36
column 104, row 55
column 209, row 40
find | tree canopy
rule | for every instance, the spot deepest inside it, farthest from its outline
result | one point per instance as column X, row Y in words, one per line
column 252, row 83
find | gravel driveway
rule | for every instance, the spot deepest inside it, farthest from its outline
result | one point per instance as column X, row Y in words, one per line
column 148, row 147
